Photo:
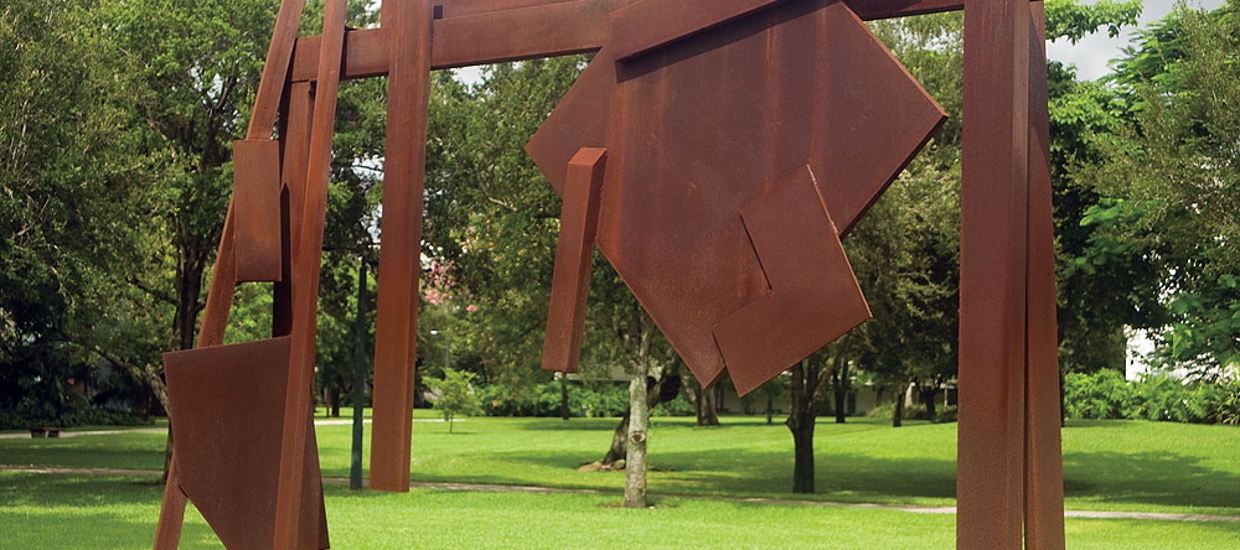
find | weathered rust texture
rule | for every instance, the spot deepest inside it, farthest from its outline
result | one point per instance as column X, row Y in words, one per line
column 553, row 27
column 574, row 255
column 256, row 195
column 295, row 123
column 396, row 323
column 1044, row 529
column 994, row 223
column 649, row 24
column 226, row 401
column 700, row 128
column 297, row 402
column 813, row 296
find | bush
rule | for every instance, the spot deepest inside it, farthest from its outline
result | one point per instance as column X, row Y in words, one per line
column 1107, row 395
column 544, row 400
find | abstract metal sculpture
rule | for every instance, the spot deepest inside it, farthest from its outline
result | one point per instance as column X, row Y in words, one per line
column 716, row 151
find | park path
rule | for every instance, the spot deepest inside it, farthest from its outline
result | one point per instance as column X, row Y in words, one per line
column 162, row 429
column 489, row 488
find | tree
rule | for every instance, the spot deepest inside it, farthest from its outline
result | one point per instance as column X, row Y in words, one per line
column 74, row 207
column 1170, row 184
column 456, row 395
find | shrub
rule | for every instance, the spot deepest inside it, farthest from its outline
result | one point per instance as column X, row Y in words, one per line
column 544, row 400
column 1107, row 395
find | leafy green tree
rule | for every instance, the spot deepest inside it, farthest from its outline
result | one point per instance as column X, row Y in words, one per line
column 74, row 202
column 1171, row 182
column 456, row 395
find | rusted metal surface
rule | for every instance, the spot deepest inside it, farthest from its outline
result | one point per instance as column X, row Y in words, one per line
column 478, row 35
column 1044, row 529
column 649, row 24
column 228, row 452
column 994, row 223
column 700, row 128
column 574, row 255
column 300, row 380
column 295, row 123
column 396, row 322
column 813, row 296
column 256, row 192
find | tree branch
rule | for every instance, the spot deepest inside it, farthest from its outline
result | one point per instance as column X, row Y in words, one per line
column 152, row 292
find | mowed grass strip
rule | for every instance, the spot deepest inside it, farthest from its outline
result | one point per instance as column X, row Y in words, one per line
column 43, row 511
column 1108, row 465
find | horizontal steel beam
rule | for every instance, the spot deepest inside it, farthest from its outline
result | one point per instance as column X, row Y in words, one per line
column 477, row 32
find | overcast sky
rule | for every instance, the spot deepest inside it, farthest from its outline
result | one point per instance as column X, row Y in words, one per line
column 1092, row 53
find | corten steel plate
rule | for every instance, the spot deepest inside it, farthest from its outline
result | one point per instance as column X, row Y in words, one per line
column 227, row 409
column 701, row 128
column 256, row 194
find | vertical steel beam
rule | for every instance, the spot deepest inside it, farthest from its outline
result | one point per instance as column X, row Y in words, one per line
column 295, row 141
column 574, row 256
column 994, row 229
column 1044, row 456
column 289, row 498
column 396, row 323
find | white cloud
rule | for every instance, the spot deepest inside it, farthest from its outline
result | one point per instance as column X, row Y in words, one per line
column 1092, row 53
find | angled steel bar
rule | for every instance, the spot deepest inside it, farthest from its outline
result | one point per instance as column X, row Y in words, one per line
column 1044, row 529
column 306, row 282
column 574, row 255
column 396, row 321
column 171, row 511
column 275, row 70
column 994, row 228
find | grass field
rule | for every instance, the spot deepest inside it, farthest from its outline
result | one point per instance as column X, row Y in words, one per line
column 1122, row 466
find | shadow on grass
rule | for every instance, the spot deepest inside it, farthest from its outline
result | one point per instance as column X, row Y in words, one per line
column 1148, row 478
column 849, row 477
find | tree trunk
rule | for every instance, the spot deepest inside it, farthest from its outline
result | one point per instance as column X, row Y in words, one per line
column 927, row 397
column 770, row 408
column 840, row 383
column 897, row 415
column 803, row 466
column 801, row 423
column 333, row 400
column 564, row 412
column 618, row 447
column 707, row 407
column 635, row 458
column 705, row 404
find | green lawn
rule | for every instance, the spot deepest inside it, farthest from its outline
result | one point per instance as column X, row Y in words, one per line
column 1108, row 465
column 105, row 512
column 1122, row 466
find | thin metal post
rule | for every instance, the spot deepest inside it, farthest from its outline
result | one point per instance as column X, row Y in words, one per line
column 359, row 377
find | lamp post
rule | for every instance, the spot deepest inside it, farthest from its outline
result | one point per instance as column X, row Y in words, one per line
column 359, row 378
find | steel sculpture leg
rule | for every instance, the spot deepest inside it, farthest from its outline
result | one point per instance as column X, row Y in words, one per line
column 994, row 229
column 295, row 139
column 574, row 255
column 297, row 404
column 1044, row 528
column 396, row 322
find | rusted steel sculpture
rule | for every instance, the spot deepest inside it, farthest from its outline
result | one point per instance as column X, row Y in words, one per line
column 716, row 151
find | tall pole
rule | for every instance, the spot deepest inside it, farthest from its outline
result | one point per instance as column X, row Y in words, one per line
column 359, row 377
